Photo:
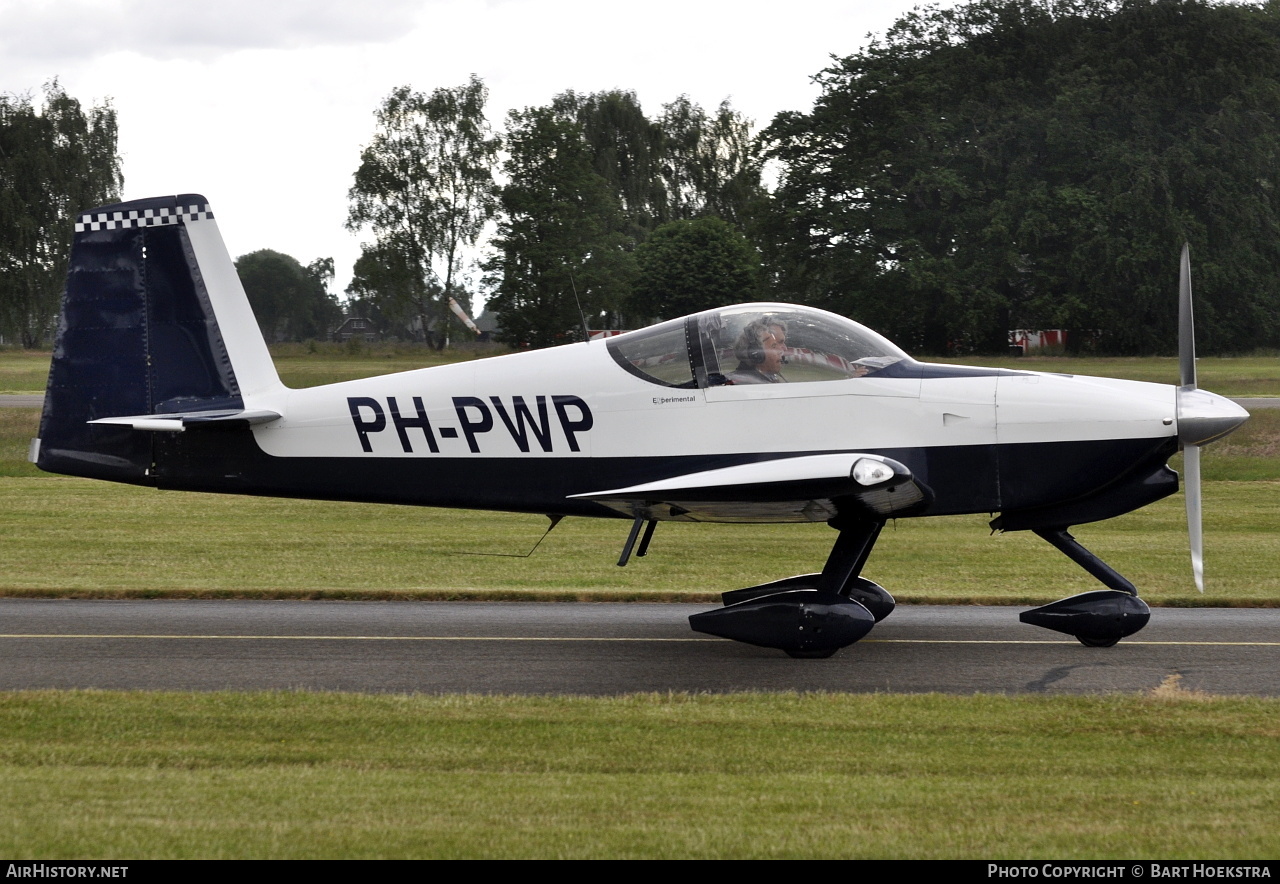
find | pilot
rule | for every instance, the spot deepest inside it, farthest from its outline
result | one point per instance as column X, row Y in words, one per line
column 761, row 350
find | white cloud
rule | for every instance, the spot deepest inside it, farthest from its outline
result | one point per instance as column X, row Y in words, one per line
column 57, row 31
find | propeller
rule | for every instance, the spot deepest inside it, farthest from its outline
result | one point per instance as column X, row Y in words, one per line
column 1202, row 416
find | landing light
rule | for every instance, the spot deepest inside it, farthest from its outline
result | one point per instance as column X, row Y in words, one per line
column 870, row 472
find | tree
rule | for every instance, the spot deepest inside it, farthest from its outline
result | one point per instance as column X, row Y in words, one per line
column 385, row 290
column 591, row 178
column 711, row 166
column 685, row 164
column 687, row 266
column 425, row 190
column 1038, row 163
column 627, row 151
column 291, row 302
column 561, row 233
column 55, row 161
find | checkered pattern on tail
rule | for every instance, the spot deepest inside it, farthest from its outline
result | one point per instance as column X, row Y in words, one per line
column 118, row 220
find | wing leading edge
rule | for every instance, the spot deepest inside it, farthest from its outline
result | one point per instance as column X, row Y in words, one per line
column 809, row 488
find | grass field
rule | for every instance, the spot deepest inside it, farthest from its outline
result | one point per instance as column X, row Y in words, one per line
column 1227, row 376
column 27, row 371
column 299, row 365
column 1169, row 775
column 120, row 540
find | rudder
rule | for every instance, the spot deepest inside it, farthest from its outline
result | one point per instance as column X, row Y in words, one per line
column 139, row 336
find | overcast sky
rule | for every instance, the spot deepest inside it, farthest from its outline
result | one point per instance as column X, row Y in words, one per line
column 263, row 106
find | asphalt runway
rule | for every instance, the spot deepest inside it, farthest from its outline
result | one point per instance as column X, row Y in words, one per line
column 600, row 649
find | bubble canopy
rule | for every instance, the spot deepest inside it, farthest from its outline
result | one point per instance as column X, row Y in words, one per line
column 755, row 343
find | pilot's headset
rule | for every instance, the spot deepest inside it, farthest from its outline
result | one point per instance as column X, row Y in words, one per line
column 750, row 346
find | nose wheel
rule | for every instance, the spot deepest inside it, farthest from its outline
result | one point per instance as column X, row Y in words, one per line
column 1097, row 619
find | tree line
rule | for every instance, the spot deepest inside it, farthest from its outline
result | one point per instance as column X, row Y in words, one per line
column 1038, row 164
column 998, row 165
column 593, row 186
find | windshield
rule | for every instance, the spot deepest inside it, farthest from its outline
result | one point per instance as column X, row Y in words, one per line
column 659, row 354
column 753, row 344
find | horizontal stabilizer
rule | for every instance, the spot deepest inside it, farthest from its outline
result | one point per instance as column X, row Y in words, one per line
column 176, row 423
column 810, row 488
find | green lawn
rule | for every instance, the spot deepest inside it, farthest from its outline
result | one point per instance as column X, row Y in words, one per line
column 26, row 371
column 1169, row 775
column 299, row 365
column 330, row 363
column 117, row 540
column 123, row 541
column 1225, row 375
column 23, row 371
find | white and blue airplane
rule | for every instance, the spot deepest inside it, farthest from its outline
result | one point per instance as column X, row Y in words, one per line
column 752, row 413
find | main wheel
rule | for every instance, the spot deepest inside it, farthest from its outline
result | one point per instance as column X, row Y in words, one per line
column 1097, row 642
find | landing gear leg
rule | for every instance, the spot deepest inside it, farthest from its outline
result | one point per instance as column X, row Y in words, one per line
column 631, row 539
column 844, row 565
column 1096, row 619
column 811, row 615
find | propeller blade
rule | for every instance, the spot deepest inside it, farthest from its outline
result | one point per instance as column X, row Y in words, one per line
column 1191, row 464
column 1202, row 416
column 1186, row 324
column 1188, row 391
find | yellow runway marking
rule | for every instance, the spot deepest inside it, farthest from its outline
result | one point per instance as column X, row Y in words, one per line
column 517, row 638
column 368, row 638
column 1127, row 642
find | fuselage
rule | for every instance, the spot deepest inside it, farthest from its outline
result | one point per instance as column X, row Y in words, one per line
column 527, row 431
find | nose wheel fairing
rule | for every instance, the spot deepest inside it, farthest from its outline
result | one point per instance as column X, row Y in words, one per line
column 1097, row 619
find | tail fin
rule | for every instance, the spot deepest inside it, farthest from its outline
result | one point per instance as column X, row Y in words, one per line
column 155, row 331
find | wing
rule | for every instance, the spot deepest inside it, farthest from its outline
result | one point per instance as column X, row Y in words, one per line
column 810, row 488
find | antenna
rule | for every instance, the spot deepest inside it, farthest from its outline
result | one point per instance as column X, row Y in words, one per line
column 586, row 332
column 555, row 520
